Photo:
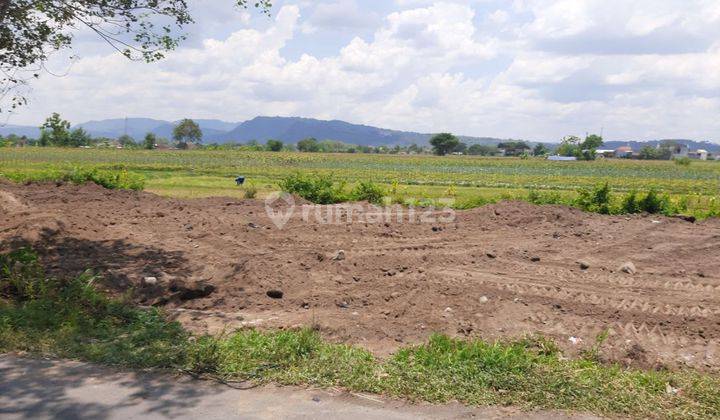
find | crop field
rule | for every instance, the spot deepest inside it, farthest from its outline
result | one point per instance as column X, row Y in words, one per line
column 469, row 180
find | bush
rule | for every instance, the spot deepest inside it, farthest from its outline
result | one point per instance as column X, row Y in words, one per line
column 652, row 203
column 631, row 204
column 368, row 191
column 597, row 200
column 318, row 189
column 109, row 179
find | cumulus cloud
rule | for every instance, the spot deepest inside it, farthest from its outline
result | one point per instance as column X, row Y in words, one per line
column 537, row 69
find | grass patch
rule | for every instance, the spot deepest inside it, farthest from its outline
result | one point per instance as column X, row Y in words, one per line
column 71, row 319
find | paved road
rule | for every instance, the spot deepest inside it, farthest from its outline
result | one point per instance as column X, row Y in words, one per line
column 41, row 389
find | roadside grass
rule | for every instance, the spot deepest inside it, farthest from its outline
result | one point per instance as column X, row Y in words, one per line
column 70, row 319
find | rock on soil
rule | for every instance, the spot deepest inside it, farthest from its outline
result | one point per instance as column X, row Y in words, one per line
column 628, row 268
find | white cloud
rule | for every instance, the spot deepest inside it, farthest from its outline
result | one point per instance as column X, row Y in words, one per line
column 537, row 69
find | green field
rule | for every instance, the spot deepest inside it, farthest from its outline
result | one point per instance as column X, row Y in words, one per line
column 469, row 180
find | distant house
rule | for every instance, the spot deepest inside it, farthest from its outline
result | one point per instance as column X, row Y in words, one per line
column 700, row 154
column 624, row 152
column 605, row 153
column 561, row 158
column 679, row 151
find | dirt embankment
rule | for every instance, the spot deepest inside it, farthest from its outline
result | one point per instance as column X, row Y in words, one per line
column 503, row 270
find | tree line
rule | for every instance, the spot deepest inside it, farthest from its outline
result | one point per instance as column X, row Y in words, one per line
column 58, row 132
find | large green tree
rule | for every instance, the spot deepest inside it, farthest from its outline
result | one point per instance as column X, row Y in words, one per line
column 514, row 148
column 308, row 145
column 150, row 141
column 444, row 143
column 581, row 149
column 55, row 131
column 540, row 150
column 80, row 137
column 187, row 131
column 274, row 145
column 31, row 30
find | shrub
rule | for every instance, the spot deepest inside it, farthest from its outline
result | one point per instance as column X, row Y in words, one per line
column 368, row 191
column 318, row 189
column 631, row 204
column 653, row 203
column 109, row 179
column 597, row 200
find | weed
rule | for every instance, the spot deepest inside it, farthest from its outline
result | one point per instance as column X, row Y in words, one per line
column 251, row 190
column 593, row 353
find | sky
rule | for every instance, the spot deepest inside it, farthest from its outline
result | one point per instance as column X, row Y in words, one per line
column 531, row 69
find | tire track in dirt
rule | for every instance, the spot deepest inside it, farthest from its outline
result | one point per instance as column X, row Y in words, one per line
column 591, row 294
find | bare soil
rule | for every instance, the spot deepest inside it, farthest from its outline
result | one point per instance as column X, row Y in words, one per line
column 500, row 271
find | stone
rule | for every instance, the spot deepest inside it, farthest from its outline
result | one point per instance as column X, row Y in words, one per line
column 275, row 294
column 628, row 268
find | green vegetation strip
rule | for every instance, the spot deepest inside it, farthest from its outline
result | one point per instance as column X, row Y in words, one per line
column 111, row 179
column 70, row 319
column 471, row 181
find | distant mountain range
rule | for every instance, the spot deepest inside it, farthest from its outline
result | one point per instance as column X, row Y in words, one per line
column 287, row 129
column 291, row 130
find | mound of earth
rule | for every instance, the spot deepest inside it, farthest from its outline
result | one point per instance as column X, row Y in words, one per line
column 500, row 271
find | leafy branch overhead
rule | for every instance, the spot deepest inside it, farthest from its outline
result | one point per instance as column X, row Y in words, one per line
column 31, row 30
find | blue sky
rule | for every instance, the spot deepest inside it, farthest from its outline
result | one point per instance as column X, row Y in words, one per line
column 534, row 69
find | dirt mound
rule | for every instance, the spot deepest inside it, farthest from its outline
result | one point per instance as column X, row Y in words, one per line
column 503, row 270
